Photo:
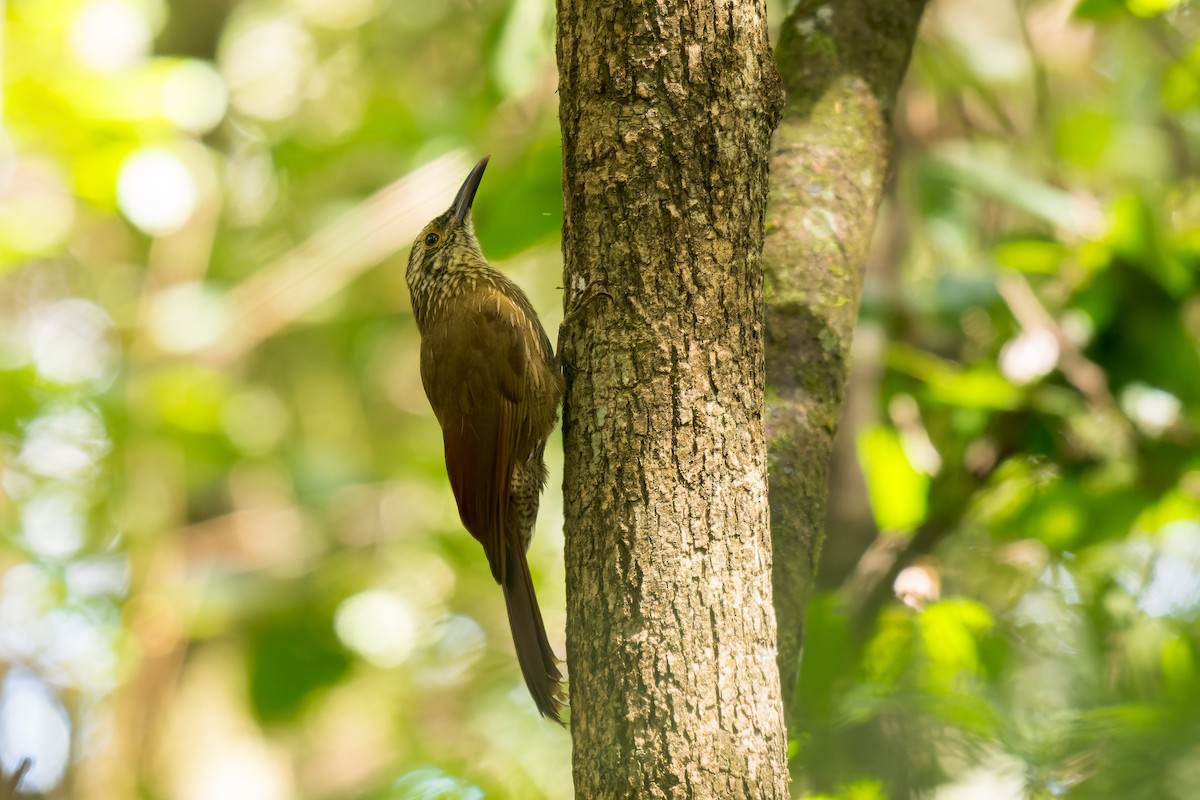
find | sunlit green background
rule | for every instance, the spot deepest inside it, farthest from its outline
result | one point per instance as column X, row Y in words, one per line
column 230, row 566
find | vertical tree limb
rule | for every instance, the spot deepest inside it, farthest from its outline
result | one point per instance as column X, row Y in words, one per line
column 842, row 64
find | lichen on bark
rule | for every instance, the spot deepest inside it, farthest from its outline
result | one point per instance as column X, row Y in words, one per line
column 842, row 65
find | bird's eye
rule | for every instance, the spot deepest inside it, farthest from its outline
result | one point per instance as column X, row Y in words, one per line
column 431, row 240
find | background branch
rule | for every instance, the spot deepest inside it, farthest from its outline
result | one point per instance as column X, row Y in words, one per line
column 842, row 65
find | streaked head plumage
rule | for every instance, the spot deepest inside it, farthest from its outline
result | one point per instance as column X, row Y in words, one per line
column 447, row 242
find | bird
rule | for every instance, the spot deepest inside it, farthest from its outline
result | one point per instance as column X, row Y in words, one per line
column 491, row 377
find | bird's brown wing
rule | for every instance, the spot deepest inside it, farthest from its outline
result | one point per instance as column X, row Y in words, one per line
column 476, row 372
column 480, row 378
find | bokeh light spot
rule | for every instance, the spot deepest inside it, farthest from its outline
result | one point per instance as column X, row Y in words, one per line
column 156, row 191
column 53, row 524
column 65, row 443
column 70, row 341
column 240, row 769
column 33, row 724
column 98, row 577
column 79, row 651
column 110, row 35
column 1172, row 588
column 1152, row 409
column 187, row 318
column 1032, row 355
column 194, row 96
column 378, row 625
column 264, row 63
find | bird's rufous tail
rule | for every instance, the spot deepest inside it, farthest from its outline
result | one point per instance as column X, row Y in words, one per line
column 538, row 664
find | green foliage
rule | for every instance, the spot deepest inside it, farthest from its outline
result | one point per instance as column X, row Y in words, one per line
column 230, row 565
column 1041, row 369
column 897, row 490
column 290, row 655
column 227, row 544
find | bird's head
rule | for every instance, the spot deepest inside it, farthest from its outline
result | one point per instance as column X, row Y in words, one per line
column 448, row 241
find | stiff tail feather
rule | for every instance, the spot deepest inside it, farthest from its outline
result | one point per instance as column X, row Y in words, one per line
column 538, row 664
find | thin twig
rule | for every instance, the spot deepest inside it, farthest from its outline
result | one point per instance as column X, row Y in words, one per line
column 10, row 783
column 1080, row 371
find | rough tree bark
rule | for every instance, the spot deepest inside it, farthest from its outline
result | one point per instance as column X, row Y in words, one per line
column 667, row 111
column 842, row 64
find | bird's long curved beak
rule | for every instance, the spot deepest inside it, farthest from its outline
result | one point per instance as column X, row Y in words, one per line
column 466, row 194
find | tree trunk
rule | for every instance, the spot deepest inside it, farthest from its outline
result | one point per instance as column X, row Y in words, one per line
column 667, row 111
column 842, row 65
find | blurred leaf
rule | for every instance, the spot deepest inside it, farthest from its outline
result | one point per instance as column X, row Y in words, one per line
column 950, row 633
column 897, row 490
column 1151, row 8
column 1057, row 517
column 1031, row 254
column 1136, row 233
column 949, row 629
column 1009, row 490
column 1181, row 83
column 863, row 790
column 980, row 386
column 1173, row 506
column 189, row 398
column 1105, row 10
column 827, row 665
column 1084, row 136
column 890, row 650
column 983, row 168
column 289, row 656
column 858, row 790
column 1140, row 335
column 1180, row 670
